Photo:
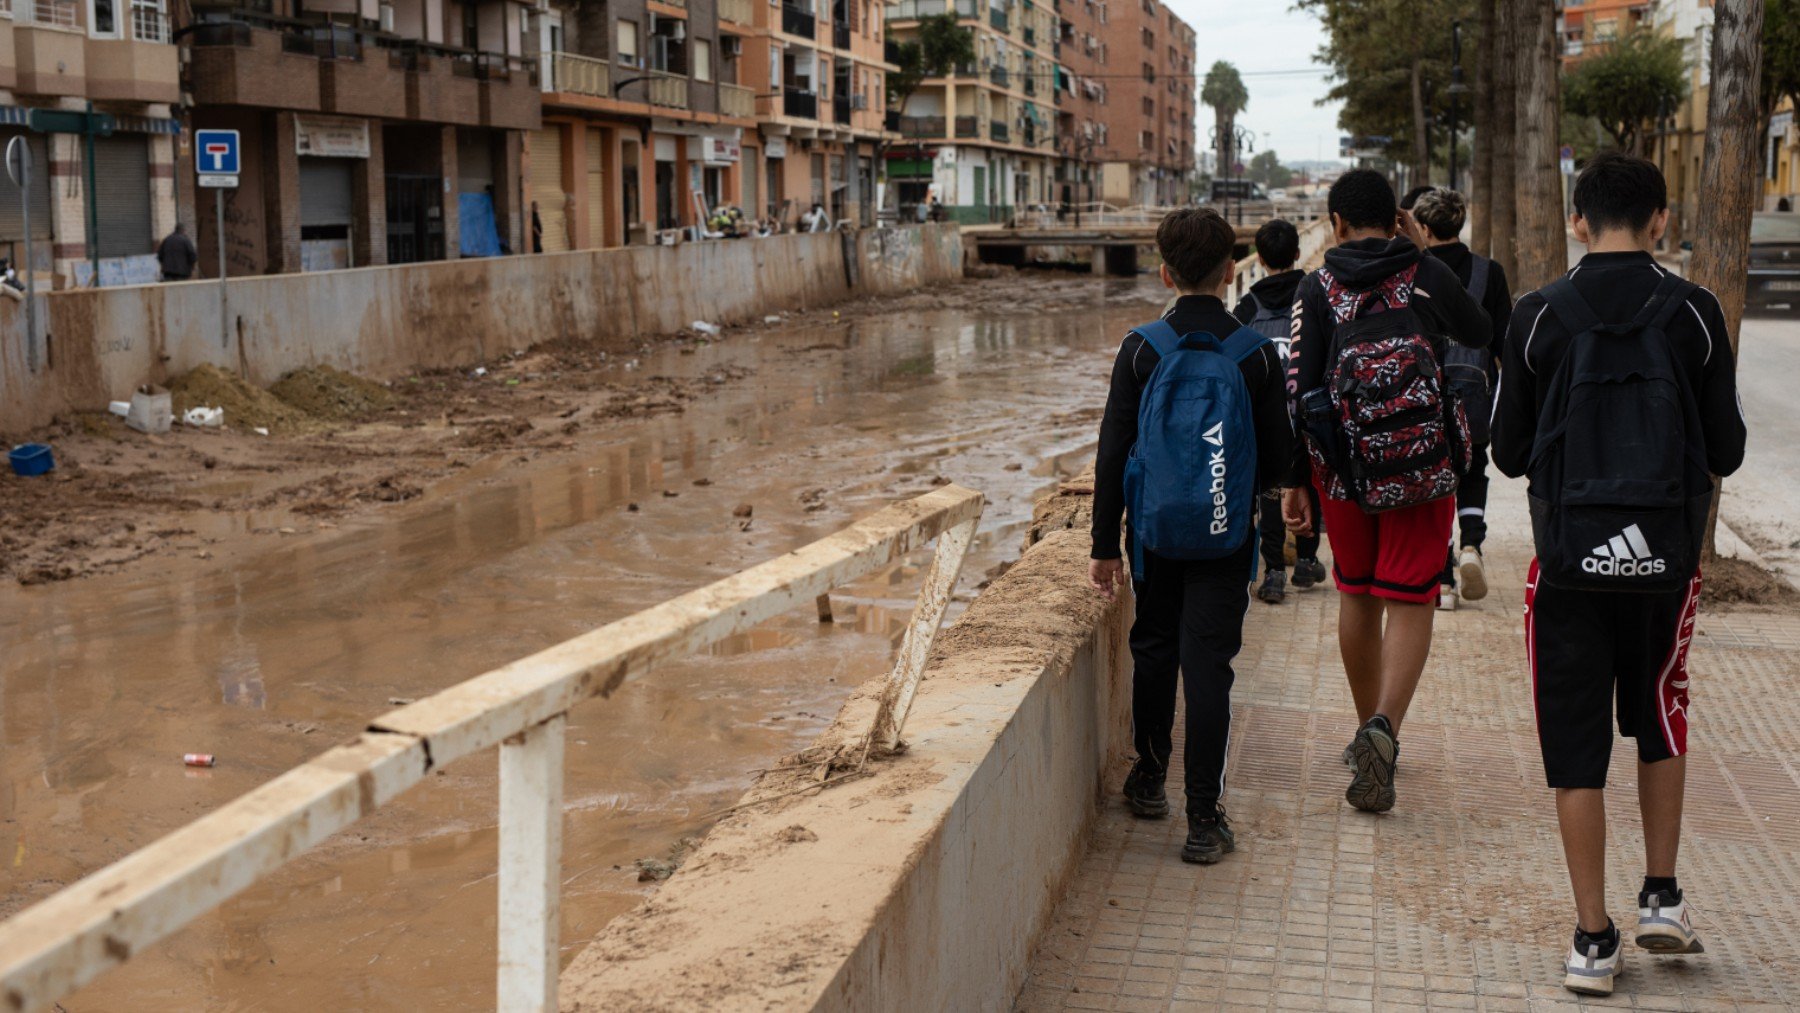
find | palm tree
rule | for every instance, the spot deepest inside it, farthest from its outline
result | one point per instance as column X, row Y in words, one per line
column 1224, row 91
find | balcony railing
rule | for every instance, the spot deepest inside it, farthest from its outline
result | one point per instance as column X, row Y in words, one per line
column 918, row 126
column 579, row 75
column 795, row 21
column 737, row 11
column 52, row 13
column 840, row 108
column 999, row 76
column 968, row 126
column 840, row 34
column 800, row 104
column 997, row 130
column 737, row 101
column 1029, row 81
column 667, row 90
column 913, row 10
column 997, row 18
column 1030, row 36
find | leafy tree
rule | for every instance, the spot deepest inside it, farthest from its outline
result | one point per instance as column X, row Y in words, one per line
column 1628, row 85
column 941, row 45
column 1781, row 54
column 1224, row 90
column 1266, row 168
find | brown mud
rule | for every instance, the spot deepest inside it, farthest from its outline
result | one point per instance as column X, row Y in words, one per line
column 266, row 607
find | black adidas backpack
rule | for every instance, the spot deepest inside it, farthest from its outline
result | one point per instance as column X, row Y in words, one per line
column 1466, row 369
column 1619, row 487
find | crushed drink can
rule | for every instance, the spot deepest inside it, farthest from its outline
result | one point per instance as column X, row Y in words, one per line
column 197, row 759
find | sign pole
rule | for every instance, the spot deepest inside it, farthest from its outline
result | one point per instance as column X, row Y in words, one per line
column 18, row 165
column 224, row 301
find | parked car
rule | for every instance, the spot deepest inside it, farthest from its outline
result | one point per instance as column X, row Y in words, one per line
column 1774, row 260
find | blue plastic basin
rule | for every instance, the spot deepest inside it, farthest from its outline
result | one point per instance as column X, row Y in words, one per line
column 30, row 459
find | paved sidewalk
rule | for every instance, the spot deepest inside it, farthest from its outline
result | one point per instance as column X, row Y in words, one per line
column 1457, row 899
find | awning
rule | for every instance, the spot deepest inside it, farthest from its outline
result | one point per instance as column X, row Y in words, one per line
column 20, row 116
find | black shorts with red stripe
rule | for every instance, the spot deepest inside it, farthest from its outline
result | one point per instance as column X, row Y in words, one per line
column 1594, row 653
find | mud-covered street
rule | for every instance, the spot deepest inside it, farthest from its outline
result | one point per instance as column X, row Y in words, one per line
column 261, row 597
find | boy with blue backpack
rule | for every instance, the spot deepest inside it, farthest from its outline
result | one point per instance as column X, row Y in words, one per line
column 1268, row 309
column 1196, row 427
column 1618, row 396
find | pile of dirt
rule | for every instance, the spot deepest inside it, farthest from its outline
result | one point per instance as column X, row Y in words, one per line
column 1730, row 581
column 328, row 393
column 246, row 405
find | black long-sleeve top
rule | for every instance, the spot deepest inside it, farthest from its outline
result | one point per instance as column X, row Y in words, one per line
column 1496, row 301
column 1441, row 302
column 1616, row 286
column 1119, row 426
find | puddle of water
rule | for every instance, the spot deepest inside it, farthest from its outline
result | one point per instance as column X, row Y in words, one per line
column 107, row 681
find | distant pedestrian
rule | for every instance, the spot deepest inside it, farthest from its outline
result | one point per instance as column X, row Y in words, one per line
column 1384, row 451
column 1472, row 374
column 537, row 230
column 816, row 220
column 1188, row 504
column 176, row 255
column 1268, row 308
column 1617, row 398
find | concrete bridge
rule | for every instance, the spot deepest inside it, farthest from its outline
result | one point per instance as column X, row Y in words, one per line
column 1107, row 238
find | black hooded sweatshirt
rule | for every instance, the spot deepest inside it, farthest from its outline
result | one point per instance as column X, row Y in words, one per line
column 1273, row 291
column 1441, row 302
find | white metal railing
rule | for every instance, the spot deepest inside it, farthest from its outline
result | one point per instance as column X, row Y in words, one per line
column 1313, row 237
column 51, row 13
column 735, row 100
column 67, row 940
column 581, row 75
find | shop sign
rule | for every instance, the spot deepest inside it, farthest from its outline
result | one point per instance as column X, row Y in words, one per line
column 775, row 147
column 720, row 151
column 331, row 137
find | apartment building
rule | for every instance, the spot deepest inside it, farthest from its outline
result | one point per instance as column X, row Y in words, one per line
column 373, row 131
column 1589, row 25
column 983, row 137
column 1680, row 139
column 104, row 188
column 1149, row 107
column 1083, row 120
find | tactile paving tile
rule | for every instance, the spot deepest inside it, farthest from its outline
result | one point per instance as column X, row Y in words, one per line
column 1458, row 899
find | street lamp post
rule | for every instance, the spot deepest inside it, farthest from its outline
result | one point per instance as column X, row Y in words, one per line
column 1240, row 138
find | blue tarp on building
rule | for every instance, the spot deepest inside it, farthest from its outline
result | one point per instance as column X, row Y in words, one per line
column 479, row 237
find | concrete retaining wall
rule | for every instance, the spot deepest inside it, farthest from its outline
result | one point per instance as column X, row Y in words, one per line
column 926, row 885
column 385, row 321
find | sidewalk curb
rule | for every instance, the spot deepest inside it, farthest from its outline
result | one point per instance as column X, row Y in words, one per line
column 1729, row 543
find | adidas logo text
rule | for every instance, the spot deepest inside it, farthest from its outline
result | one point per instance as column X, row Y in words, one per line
column 1625, row 554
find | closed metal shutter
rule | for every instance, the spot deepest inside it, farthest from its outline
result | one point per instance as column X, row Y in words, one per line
column 122, row 195
column 325, row 191
column 12, row 207
column 547, row 187
column 596, row 191
column 474, row 161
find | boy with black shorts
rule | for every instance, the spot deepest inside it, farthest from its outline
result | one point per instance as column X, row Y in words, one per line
column 1617, row 395
column 1190, row 611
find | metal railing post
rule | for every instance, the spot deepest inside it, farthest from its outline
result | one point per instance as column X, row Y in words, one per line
column 531, row 790
column 915, row 645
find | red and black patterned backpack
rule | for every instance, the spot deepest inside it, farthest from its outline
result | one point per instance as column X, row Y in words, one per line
column 1402, row 437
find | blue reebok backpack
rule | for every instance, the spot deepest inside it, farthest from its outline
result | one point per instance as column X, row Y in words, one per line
column 1190, row 483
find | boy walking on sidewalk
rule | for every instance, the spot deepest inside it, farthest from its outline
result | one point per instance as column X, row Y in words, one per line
column 1196, row 425
column 1268, row 309
column 1617, row 397
column 1385, row 445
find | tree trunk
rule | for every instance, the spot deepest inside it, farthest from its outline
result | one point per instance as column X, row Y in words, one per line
column 1421, row 139
column 1729, row 175
column 1481, row 161
column 1541, row 247
column 1504, row 156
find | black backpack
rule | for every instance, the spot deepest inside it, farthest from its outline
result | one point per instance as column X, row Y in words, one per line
column 1466, row 369
column 1619, row 486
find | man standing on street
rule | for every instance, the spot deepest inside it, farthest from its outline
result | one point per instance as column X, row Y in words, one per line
column 176, row 255
column 1617, row 398
column 1195, row 428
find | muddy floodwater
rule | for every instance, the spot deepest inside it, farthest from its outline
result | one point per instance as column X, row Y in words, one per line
column 109, row 680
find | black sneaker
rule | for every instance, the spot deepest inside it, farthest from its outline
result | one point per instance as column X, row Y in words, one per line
column 1372, row 756
column 1307, row 572
column 1144, row 794
column 1209, row 838
column 1273, row 587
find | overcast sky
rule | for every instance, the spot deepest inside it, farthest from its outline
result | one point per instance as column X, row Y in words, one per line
column 1266, row 35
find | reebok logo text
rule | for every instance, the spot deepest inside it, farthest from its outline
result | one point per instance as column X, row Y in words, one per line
column 1216, row 463
column 1625, row 554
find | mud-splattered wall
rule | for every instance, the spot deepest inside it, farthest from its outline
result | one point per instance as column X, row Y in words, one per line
column 385, row 321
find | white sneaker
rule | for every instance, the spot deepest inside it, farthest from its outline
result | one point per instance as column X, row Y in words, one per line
column 1446, row 599
column 1471, row 575
column 1663, row 925
column 1589, row 973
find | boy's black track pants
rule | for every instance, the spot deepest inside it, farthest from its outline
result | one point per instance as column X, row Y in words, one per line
column 1190, row 619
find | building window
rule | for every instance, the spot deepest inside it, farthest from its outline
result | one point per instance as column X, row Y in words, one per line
column 1149, row 106
column 628, row 43
column 103, row 18
column 471, row 27
column 149, row 21
column 1149, row 73
column 1149, row 39
column 703, row 60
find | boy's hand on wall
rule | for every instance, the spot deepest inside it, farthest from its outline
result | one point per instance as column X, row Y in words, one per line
column 1104, row 576
column 1296, row 511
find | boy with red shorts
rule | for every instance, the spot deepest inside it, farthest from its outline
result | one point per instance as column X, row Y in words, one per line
column 1386, row 564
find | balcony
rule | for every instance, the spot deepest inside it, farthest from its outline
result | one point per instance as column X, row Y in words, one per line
column 739, row 12
column 997, row 18
column 795, row 21
column 999, row 76
column 737, row 101
column 998, row 130
column 670, row 91
column 799, row 104
column 509, row 92
column 355, row 76
column 968, row 126
column 913, row 10
column 840, row 34
column 574, row 74
column 918, row 126
column 442, row 85
column 143, row 68
column 234, row 63
column 1028, row 81
column 1030, row 36
column 840, row 109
